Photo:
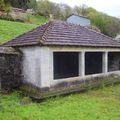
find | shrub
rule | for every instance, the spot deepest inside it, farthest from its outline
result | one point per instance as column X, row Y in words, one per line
column 9, row 18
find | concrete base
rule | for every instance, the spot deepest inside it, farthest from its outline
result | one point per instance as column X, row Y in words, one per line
column 73, row 86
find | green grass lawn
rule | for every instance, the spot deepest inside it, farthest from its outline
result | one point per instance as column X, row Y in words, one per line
column 9, row 30
column 38, row 19
column 102, row 104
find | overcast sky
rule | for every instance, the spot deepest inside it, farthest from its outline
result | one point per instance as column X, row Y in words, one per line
column 111, row 7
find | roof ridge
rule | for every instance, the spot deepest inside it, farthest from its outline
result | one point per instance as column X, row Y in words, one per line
column 43, row 38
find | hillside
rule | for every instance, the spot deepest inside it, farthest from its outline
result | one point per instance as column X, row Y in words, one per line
column 37, row 19
column 9, row 30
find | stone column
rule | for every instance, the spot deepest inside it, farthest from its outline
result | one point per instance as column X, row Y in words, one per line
column 45, row 65
column 82, row 64
column 105, row 62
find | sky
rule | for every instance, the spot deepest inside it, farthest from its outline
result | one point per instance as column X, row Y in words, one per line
column 110, row 7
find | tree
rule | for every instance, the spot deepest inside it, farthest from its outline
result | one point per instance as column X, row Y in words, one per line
column 43, row 7
column 18, row 3
column 113, row 26
column 32, row 4
column 2, row 5
column 81, row 10
column 7, row 9
column 47, row 8
column 68, row 11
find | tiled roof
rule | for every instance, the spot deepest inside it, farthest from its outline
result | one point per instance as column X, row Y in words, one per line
column 62, row 33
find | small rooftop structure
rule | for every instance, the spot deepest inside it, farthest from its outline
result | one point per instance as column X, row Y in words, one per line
column 79, row 20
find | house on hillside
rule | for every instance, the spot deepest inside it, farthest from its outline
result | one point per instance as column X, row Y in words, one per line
column 17, row 13
column 18, row 10
column 79, row 20
column 59, row 57
column 31, row 11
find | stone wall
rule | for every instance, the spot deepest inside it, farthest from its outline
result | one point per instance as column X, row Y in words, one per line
column 10, row 69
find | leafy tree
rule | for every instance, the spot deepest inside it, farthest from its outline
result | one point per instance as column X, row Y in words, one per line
column 43, row 7
column 2, row 5
column 99, row 21
column 7, row 9
column 47, row 8
column 67, row 11
column 81, row 10
column 112, row 26
column 18, row 3
column 32, row 4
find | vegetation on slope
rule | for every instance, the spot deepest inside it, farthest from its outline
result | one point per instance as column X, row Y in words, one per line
column 24, row 4
column 107, row 24
column 9, row 30
column 37, row 19
column 102, row 104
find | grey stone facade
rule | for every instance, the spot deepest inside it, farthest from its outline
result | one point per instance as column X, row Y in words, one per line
column 10, row 69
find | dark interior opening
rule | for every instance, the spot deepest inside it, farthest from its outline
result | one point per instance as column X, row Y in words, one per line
column 93, row 63
column 66, row 64
column 113, row 61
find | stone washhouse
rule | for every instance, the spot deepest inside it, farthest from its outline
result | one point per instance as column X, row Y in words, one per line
column 60, row 58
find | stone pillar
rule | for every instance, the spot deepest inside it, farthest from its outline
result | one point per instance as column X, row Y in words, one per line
column 45, row 67
column 105, row 62
column 82, row 64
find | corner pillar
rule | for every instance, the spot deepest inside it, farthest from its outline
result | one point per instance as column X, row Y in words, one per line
column 105, row 62
column 82, row 64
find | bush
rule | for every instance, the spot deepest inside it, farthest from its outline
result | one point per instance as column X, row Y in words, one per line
column 9, row 18
column 25, row 100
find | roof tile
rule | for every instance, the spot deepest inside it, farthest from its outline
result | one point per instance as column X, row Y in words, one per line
column 63, row 33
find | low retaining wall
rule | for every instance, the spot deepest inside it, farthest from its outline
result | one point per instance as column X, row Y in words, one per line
column 69, row 87
column 10, row 72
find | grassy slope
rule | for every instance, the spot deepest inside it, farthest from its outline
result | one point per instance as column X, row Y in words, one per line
column 102, row 104
column 38, row 19
column 9, row 30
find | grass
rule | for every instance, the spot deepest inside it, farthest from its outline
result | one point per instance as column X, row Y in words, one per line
column 37, row 19
column 9, row 30
column 102, row 104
